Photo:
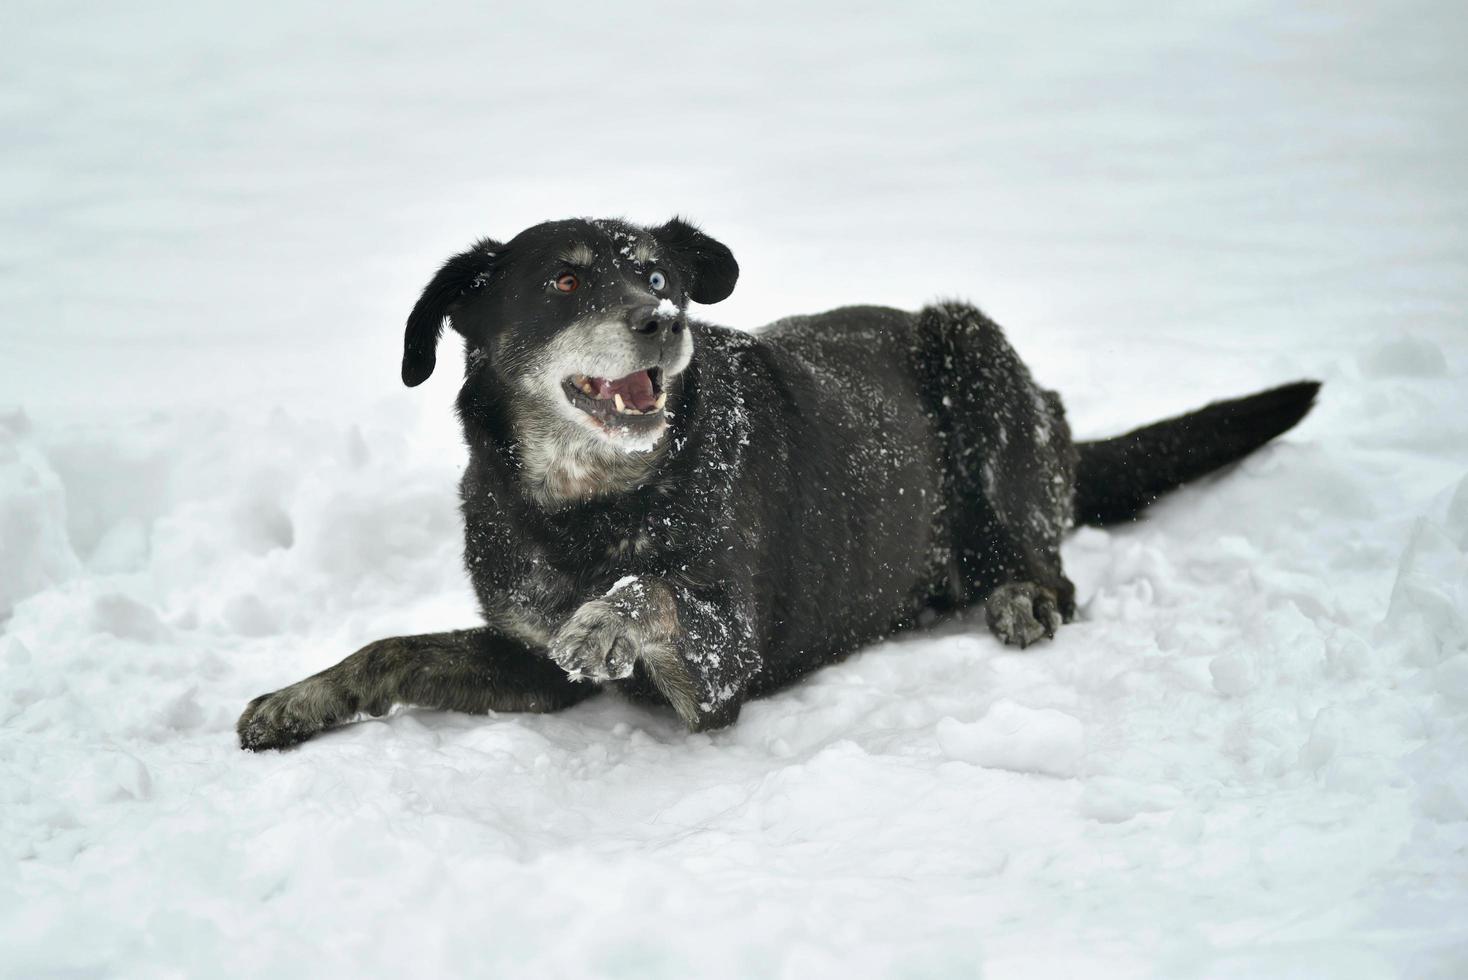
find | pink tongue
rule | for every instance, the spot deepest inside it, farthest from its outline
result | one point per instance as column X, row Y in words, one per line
column 635, row 389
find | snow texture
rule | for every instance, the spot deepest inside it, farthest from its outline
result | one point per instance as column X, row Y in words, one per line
column 1020, row 739
column 1245, row 759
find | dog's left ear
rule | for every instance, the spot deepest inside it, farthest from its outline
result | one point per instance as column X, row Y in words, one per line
column 460, row 275
column 709, row 264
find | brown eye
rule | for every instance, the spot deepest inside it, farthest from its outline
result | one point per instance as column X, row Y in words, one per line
column 567, row 282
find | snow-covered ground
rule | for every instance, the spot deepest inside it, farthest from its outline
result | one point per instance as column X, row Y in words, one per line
column 1247, row 760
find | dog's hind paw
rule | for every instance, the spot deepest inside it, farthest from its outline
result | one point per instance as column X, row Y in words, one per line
column 293, row 714
column 598, row 643
column 1020, row 613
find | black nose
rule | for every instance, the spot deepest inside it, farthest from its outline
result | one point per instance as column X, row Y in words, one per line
column 647, row 321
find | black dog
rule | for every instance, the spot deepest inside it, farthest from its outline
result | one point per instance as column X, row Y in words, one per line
column 697, row 515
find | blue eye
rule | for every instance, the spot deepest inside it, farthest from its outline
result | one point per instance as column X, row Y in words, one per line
column 657, row 280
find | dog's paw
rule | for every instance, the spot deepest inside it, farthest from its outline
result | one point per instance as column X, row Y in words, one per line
column 1019, row 613
column 598, row 643
column 293, row 714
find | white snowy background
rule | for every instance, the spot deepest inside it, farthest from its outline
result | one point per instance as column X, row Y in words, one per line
column 1247, row 759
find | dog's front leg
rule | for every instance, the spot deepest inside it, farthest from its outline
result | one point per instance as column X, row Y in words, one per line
column 697, row 646
column 474, row 670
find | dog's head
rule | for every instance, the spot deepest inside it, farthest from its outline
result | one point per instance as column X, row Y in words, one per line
column 583, row 322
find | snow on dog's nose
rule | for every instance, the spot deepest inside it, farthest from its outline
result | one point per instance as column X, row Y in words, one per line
column 665, row 318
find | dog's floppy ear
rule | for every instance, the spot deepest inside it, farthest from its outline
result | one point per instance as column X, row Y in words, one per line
column 459, row 276
column 709, row 264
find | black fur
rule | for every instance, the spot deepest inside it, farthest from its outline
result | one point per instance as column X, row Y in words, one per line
column 1117, row 478
column 459, row 276
column 819, row 485
column 708, row 264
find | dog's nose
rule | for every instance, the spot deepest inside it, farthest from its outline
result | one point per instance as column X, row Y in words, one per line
column 646, row 320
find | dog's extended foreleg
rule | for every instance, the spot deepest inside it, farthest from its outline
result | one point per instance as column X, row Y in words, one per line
column 474, row 670
column 696, row 646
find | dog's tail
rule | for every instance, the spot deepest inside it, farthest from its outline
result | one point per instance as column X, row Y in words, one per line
column 1117, row 478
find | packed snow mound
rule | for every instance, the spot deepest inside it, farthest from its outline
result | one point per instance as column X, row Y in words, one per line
column 1012, row 736
column 1404, row 357
column 1244, row 759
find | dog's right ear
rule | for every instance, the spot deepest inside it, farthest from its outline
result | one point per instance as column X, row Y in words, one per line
column 461, row 275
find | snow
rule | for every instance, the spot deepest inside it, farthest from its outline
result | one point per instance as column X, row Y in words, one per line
column 1245, row 760
column 620, row 584
column 1014, row 737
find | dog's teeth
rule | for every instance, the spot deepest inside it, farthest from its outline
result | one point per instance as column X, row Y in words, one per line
column 586, row 387
column 662, row 400
column 617, row 400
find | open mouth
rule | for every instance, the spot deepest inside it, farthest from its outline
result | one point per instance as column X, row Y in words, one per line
column 627, row 399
